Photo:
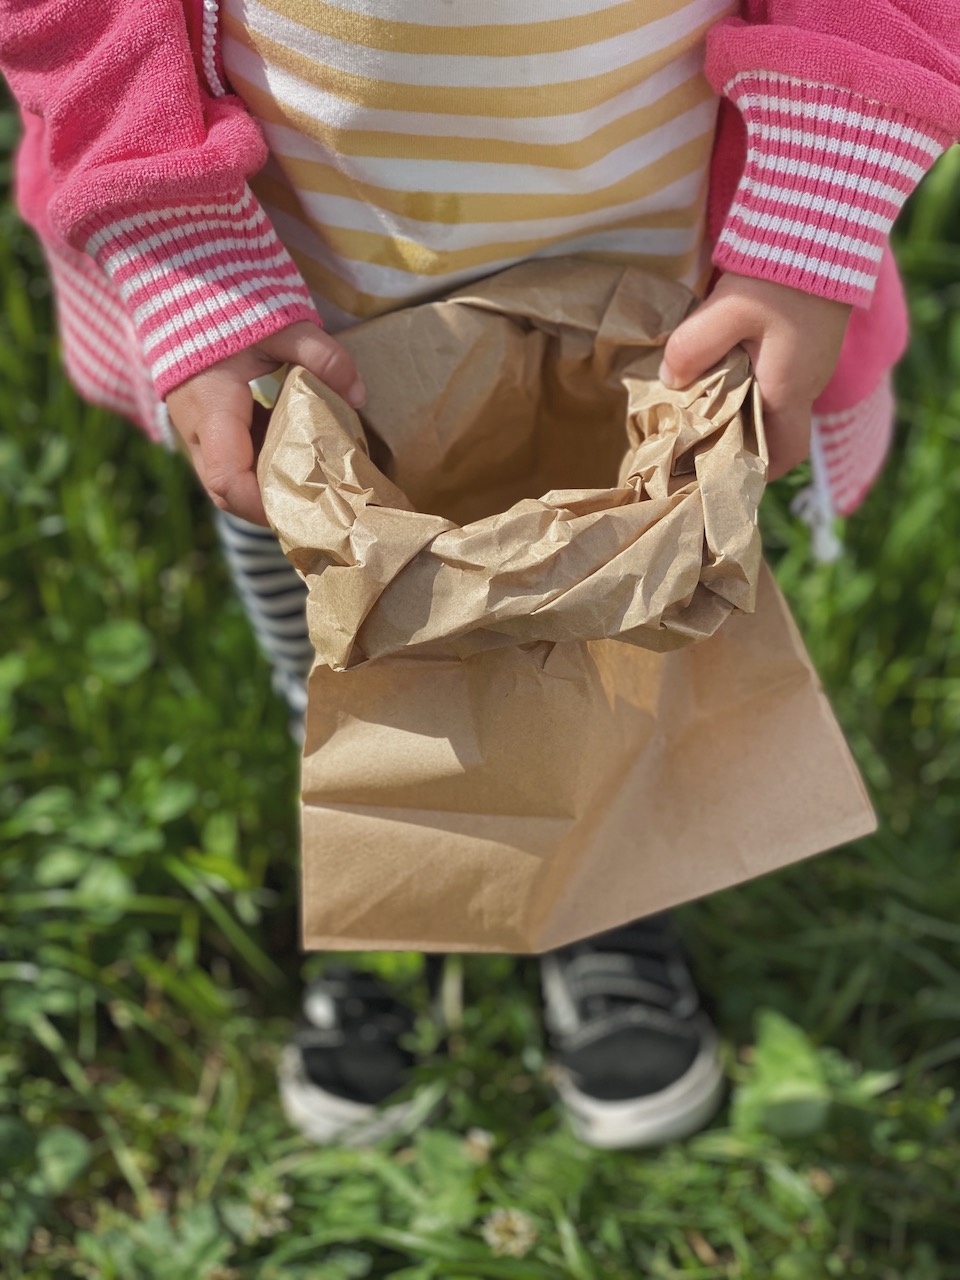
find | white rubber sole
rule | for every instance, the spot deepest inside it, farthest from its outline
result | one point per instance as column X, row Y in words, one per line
column 680, row 1111
column 327, row 1120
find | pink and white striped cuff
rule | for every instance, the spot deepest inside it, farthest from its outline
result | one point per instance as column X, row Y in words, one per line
column 827, row 172
column 199, row 282
column 855, row 445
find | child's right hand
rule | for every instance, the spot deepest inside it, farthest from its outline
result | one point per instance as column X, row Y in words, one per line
column 213, row 411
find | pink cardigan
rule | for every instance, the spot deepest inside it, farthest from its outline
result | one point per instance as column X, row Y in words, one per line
column 134, row 164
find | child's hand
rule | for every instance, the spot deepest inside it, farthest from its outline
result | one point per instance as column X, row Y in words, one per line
column 792, row 338
column 213, row 411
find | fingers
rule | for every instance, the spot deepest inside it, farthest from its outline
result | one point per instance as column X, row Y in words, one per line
column 700, row 341
column 793, row 340
column 213, row 411
column 787, row 399
column 306, row 344
column 214, row 417
column 788, row 439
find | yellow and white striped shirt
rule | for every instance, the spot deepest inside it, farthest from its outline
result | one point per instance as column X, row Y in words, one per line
column 418, row 144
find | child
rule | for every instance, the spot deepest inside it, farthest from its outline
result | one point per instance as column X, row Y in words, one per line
column 417, row 145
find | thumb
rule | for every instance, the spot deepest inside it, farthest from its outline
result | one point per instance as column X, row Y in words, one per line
column 306, row 344
column 699, row 342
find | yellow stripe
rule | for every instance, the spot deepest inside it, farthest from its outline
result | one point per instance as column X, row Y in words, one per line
column 388, row 145
column 342, row 294
column 326, row 284
column 511, row 102
column 416, row 259
column 400, row 253
column 454, row 208
column 481, row 40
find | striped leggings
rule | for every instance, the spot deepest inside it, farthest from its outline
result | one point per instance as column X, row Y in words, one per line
column 274, row 598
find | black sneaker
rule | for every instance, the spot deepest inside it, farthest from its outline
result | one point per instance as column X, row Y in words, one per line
column 635, row 1057
column 345, row 1061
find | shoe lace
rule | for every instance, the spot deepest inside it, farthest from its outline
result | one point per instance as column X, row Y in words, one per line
column 640, row 963
column 351, row 1004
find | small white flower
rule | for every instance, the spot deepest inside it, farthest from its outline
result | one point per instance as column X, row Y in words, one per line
column 478, row 1144
column 268, row 1209
column 509, row 1231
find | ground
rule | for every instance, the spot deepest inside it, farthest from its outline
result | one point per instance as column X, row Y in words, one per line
column 147, row 911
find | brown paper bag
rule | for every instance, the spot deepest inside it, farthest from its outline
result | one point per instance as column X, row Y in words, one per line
column 511, row 740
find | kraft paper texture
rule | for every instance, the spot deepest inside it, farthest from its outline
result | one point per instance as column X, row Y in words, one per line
column 555, row 686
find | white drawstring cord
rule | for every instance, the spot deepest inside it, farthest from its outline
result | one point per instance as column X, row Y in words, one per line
column 814, row 506
column 208, row 41
column 165, row 426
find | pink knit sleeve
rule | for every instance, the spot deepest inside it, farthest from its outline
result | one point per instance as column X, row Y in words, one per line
column 827, row 172
column 133, row 161
column 845, row 109
column 200, row 282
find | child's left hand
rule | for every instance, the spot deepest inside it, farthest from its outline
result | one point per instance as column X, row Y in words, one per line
column 793, row 340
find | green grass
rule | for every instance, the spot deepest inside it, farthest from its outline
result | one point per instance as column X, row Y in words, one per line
column 148, row 949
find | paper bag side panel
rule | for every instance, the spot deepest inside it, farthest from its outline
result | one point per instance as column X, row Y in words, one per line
column 753, row 777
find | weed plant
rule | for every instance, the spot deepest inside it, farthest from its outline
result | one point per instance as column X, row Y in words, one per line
column 148, row 948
